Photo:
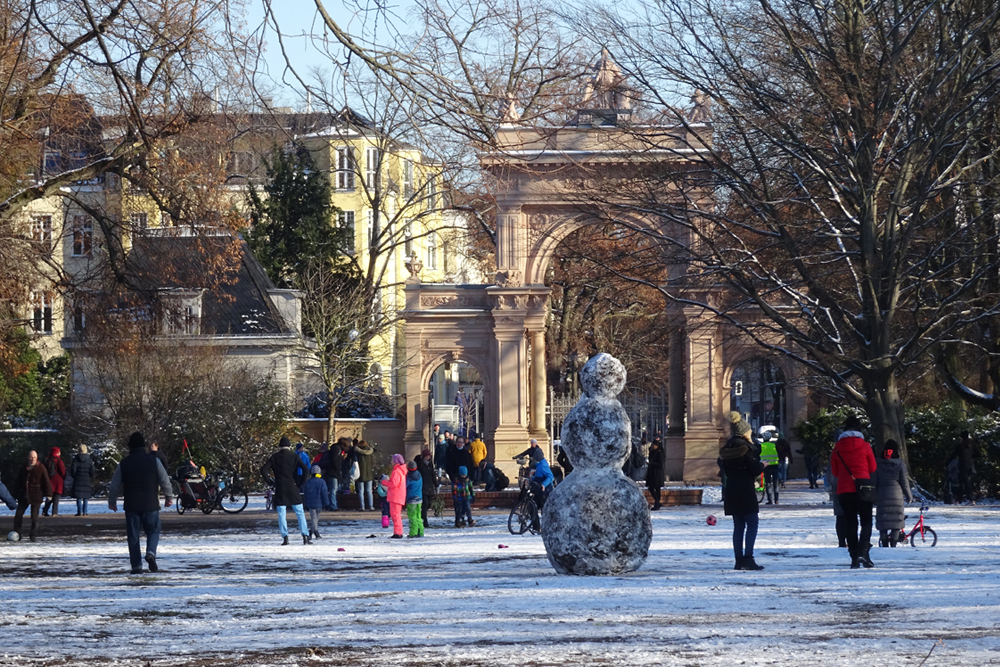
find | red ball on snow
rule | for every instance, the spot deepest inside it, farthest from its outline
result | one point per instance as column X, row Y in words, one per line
column 711, row 520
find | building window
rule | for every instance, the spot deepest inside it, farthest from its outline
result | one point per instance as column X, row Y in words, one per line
column 408, row 179
column 373, row 169
column 83, row 235
column 190, row 321
column 41, row 230
column 53, row 162
column 79, row 318
column 377, row 309
column 408, row 238
column 41, row 319
column 345, row 220
column 431, row 193
column 432, row 251
column 139, row 220
column 345, row 168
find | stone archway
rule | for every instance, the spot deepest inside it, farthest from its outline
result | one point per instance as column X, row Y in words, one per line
column 545, row 177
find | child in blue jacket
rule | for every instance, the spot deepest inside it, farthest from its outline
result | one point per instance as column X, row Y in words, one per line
column 414, row 499
column 314, row 498
column 383, row 494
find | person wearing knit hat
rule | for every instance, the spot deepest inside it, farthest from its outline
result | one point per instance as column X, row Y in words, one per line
column 287, row 470
column 397, row 494
column 414, row 500
column 140, row 477
column 314, row 498
column 739, row 426
column 462, row 495
column 82, row 470
column 57, row 475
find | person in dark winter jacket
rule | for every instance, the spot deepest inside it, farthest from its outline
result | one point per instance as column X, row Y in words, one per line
column 314, row 499
column 656, row 471
column 741, row 464
column 457, row 456
column 81, row 469
column 31, row 487
column 140, row 477
column 364, row 455
column 852, row 459
column 414, row 499
column 154, row 449
column 348, row 458
column 429, row 482
column 892, row 484
column 784, row 457
column 328, row 461
column 287, row 470
column 56, row 469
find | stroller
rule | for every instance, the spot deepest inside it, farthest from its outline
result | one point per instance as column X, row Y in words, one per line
column 194, row 491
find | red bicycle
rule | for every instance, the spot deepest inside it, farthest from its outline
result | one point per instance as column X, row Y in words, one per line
column 921, row 534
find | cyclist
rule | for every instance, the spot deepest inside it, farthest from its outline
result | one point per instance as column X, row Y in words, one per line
column 541, row 478
column 769, row 457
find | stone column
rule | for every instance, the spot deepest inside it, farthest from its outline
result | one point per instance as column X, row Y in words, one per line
column 511, row 399
column 673, row 441
column 511, row 245
column 538, row 389
column 417, row 396
column 704, row 382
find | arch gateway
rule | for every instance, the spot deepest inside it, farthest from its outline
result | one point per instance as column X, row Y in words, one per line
column 543, row 177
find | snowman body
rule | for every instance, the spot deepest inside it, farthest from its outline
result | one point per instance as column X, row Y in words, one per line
column 597, row 521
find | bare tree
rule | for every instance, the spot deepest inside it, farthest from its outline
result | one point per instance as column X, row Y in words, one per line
column 839, row 205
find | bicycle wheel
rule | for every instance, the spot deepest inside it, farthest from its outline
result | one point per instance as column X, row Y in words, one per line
column 233, row 500
column 179, row 505
column 520, row 518
column 207, row 506
column 928, row 539
column 535, row 518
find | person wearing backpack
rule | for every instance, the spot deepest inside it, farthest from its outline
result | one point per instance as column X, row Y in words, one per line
column 769, row 457
column 56, row 469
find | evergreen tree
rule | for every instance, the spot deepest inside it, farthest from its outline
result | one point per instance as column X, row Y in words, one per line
column 293, row 218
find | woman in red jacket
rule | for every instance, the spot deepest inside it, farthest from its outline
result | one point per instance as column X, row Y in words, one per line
column 853, row 458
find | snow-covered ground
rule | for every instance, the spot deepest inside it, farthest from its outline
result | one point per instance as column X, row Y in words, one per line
column 454, row 598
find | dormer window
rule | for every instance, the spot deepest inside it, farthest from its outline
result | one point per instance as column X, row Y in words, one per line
column 182, row 311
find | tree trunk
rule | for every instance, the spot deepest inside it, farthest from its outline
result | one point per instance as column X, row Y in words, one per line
column 884, row 408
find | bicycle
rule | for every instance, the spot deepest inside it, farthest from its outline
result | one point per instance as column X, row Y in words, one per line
column 759, row 488
column 217, row 491
column 524, row 516
column 921, row 534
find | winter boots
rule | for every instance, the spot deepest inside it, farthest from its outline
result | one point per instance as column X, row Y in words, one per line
column 861, row 558
column 306, row 540
column 747, row 563
column 284, row 541
column 459, row 523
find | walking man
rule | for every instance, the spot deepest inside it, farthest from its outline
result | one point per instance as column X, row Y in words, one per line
column 139, row 477
column 288, row 471
column 30, row 489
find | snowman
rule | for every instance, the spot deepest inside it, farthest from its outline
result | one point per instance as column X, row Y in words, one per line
column 597, row 521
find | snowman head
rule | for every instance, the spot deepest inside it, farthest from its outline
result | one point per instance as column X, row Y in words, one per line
column 603, row 376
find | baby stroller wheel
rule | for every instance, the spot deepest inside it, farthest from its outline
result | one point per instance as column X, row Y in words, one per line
column 179, row 505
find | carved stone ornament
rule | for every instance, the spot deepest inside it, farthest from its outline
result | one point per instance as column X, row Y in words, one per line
column 510, row 278
column 597, row 521
column 414, row 266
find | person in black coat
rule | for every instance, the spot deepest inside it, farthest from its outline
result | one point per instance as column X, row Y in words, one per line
column 740, row 461
column 458, row 455
column 656, row 471
column 425, row 466
column 285, row 472
column 140, row 477
column 81, row 469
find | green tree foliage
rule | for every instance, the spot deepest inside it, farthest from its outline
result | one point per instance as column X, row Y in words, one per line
column 293, row 219
column 32, row 391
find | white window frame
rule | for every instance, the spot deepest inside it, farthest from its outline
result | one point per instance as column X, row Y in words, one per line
column 83, row 235
column 41, row 230
column 346, row 220
column 345, row 168
column 408, row 181
column 370, row 228
column 41, row 316
column 408, row 237
column 431, row 192
column 139, row 220
column 373, row 168
column 432, row 248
